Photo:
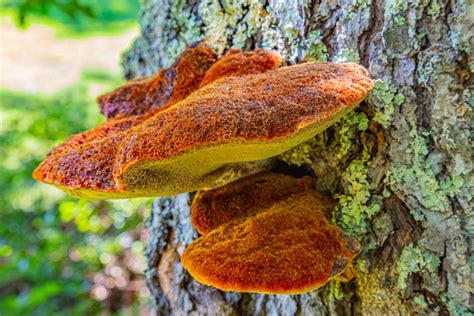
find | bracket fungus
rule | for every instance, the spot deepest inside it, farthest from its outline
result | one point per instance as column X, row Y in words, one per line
column 249, row 196
column 203, row 123
column 83, row 164
column 286, row 247
column 235, row 119
column 162, row 138
column 164, row 88
column 238, row 63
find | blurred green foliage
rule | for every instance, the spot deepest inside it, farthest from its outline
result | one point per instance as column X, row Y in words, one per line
column 50, row 244
column 76, row 17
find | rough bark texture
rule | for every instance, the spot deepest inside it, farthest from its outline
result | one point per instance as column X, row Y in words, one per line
column 400, row 166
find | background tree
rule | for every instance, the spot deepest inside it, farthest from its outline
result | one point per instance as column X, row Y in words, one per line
column 400, row 166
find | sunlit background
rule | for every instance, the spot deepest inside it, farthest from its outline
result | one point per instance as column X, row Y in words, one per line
column 60, row 255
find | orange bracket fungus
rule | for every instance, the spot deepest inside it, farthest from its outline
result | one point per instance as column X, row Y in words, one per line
column 166, row 87
column 285, row 247
column 203, row 123
column 236, row 119
column 83, row 165
column 238, row 63
column 249, row 196
column 249, row 118
column 246, row 111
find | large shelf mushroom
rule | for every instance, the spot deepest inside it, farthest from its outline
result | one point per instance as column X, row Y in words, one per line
column 244, row 112
column 236, row 119
column 83, row 165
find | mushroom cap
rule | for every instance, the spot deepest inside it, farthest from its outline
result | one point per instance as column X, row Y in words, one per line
column 82, row 166
column 236, row 119
column 140, row 98
column 290, row 248
column 124, row 109
column 166, row 87
column 247, row 197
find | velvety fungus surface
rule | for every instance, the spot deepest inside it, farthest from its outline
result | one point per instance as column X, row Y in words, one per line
column 249, row 196
column 83, row 164
column 235, row 119
column 238, row 63
column 289, row 248
column 164, row 88
column 235, row 63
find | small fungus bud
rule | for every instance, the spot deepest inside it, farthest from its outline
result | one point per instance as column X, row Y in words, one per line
column 238, row 63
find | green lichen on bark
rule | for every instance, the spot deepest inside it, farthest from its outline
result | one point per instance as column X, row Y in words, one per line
column 400, row 165
column 418, row 178
column 355, row 208
column 384, row 100
column 316, row 49
column 414, row 260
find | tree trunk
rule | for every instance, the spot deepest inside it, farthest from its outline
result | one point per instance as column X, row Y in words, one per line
column 400, row 166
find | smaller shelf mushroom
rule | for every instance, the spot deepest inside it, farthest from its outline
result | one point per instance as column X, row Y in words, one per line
column 287, row 247
column 249, row 196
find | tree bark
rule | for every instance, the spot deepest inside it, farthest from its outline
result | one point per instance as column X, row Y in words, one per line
column 400, row 166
